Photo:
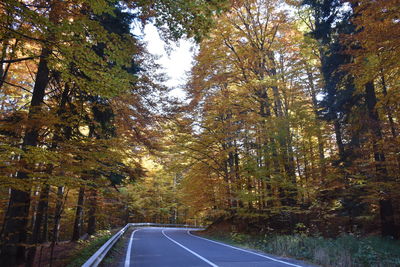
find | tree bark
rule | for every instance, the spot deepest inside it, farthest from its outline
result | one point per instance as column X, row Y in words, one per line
column 76, row 234
column 35, row 238
column 91, row 227
column 284, row 138
column 57, row 219
column 42, row 214
column 57, row 214
column 388, row 227
column 392, row 124
column 45, row 229
column 339, row 140
column 15, row 228
column 318, row 124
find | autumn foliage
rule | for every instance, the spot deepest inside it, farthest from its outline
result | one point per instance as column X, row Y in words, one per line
column 81, row 101
column 291, row 120
column 294, row 120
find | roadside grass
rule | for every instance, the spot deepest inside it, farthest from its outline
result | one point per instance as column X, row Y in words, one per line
column 344, row 251
column 88, row 247
column 117, row 254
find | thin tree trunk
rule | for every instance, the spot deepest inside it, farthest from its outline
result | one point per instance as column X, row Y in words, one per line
column 91, row 227
column 43, row 201
column 4, row 49
column 237, row 174
column 339, row 140
column 388, row 109
column 57, row 218
column 45, row 231
column 34, row 204
column 76, row 233
column 318, row 124
column 57, row 213
column 284, row 138
column 391, row 121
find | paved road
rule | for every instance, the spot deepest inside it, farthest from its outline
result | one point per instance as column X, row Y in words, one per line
column 175, row 247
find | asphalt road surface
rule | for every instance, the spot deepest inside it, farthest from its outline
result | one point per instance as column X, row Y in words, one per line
column 178, row 247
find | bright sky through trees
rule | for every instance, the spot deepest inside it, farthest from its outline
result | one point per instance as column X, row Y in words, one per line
column 175, row 63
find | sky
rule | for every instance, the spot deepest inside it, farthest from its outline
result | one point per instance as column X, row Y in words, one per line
column 176, row 64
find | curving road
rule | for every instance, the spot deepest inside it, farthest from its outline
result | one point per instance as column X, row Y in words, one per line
column 177, row 247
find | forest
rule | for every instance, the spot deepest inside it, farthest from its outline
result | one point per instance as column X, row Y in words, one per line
column 290, row 122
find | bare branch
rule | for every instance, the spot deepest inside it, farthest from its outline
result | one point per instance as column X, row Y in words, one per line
column 18, row 59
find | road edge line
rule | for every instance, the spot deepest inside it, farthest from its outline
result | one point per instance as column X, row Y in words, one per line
column 128, row 253
column 245, row 250
column 194, row 253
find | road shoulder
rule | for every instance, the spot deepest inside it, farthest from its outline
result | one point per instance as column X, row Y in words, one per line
column 290, row 261
column 116, row 256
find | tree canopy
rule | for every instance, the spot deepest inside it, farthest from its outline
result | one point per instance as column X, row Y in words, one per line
column 291, row 118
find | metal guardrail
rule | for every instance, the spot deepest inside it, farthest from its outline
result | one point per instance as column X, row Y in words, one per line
column 99, row 255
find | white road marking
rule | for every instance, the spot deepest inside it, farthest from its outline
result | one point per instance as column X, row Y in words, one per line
column 248, row 251
column 128, row 253
column 194, row 253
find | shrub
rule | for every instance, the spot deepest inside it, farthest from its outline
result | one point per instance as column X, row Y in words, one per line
column 88, row 247
column 346, row 250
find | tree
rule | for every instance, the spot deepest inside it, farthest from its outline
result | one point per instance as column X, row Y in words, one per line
column 372, row 51
column 75, row 48
column 252, row 112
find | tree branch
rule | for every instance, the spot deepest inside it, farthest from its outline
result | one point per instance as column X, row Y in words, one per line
column 17, row 59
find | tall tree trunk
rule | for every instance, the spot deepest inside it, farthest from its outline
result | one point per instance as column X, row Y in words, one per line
column 389, row 114
column 385, row 202
column 290, row 168
column 321, row 154
column 227, row 181
column 231, row 175
column 57, row 218
column 57, row 214
column 45, row 229
column 42, row 214
column 43, row 201
column 15, row 228
column 388, row 109
column 76, row 233
column 284, row 138
column 270, row 161
column 91, row 227
column 237, row 174
column 35, row 198
column 339, row 140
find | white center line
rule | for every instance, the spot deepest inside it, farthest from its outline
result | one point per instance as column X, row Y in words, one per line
column 128, row 253
column 194, row 253
column 248, row 251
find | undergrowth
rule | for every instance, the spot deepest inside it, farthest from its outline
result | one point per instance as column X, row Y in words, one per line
column 88, row 247
column 117, row 253
column 344, row 251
